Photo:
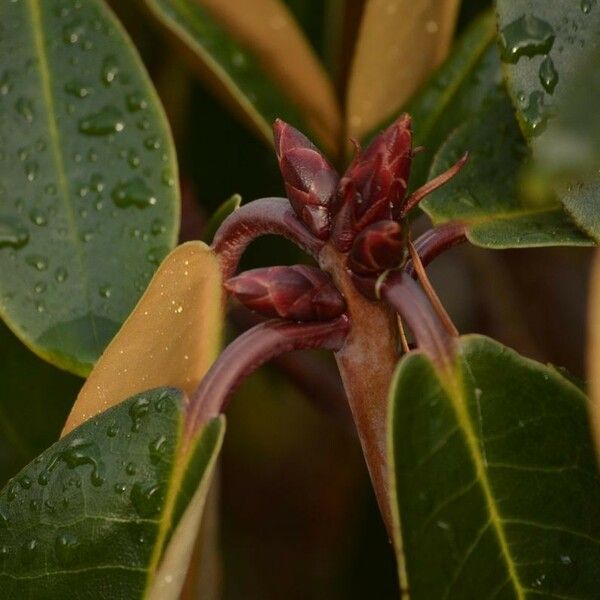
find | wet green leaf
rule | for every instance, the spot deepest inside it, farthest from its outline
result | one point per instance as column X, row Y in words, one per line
column 96, row 514
column 486, row 195
column 27, row 428
column 257, row 58
column 544, row 45
column 496, row 484
column 88, row 194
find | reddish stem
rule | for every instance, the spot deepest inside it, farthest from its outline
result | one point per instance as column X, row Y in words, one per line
column 435, row 241
column 251, row 350
column 261, row 217
column 406, row 296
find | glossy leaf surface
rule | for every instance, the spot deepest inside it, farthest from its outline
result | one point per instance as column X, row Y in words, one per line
column 170, row 339
column 94, row 514
column 496, row 482
column 486, row 194
column 88, row 201
column 399, row 44
column 544, row 46
column 256, row 57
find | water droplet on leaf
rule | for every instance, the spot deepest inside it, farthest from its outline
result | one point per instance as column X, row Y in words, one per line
column 527, row 36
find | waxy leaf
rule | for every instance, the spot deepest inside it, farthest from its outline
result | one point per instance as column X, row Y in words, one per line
column 497, row 492
column 93, row 516
column 485, row 194
column 170, row 339
column 399, row 43
column 88, row 201
column 544, row 44
column 257, row 58
column 27, row 428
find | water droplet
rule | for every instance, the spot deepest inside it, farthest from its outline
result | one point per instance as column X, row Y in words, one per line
column 110, row 70
column 6, row 82
column 146, row 498
column 112, row 430
column 133, row 159
column 66, row 547
column 120, row 488
column 107, row 120
column 73, row 32
column 105, row 291
column 157, row 227
column 39, row 263
column 78, row 452
column 527, row 36
column 12, row 234
column 38, row 217
column 548, row 74
column 60, row 275
column 25, row 109
column 29, row 550
column 157, row 449
column 136, row 102
column 586, row 6
column 152, row 143
column 40, row 287
column 535, row 113
column 167, row 178
column 133, row 193
column 25, row 482
column 78, row 89
column 137, row 411
column 131, row 468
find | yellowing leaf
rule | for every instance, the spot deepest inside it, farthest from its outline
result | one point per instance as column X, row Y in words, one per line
column 400, row 42
column 170, row 339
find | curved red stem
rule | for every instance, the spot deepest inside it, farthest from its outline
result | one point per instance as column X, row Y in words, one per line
column 260, row 217
column 252, row 349
column 435, row 241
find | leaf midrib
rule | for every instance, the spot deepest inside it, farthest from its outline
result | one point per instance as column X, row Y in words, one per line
column 453, row 384
column 37, row 29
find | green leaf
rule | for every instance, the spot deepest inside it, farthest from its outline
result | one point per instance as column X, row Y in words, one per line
column 256, row 57
column 96, row 512
column 495, row 481
column 88, row 198
column 544, row 46
column 469, row 76
column 223, row 211
column 486, row 194
column 28, row 427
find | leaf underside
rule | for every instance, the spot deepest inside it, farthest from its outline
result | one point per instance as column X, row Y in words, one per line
column 88, row 198
column 92, row 515
column 496, row 485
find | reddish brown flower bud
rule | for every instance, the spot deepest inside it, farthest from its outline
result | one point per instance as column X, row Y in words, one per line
column 377, row 248
column 375, row 183
column 299, row 293
column 310, row 181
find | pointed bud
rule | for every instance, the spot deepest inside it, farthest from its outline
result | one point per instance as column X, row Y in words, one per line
column 310, row 181
column 299, row 293
column 375, row 183
column 377, row 248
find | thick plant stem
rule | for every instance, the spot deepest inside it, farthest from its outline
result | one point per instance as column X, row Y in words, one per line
column 251, row 350
column 406, row 296
column 260, row 217
column 367, row 361
column 436, row 241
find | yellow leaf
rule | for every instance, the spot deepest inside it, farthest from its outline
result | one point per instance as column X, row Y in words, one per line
column 593, row 349
column 170, row 339
column 399, row 43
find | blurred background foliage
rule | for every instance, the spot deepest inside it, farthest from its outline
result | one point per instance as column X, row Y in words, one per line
column 298, row 517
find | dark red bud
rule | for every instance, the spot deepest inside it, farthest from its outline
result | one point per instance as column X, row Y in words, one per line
column 299, row 293
column 377, row 248
column 375, row 183
column 310, row 180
